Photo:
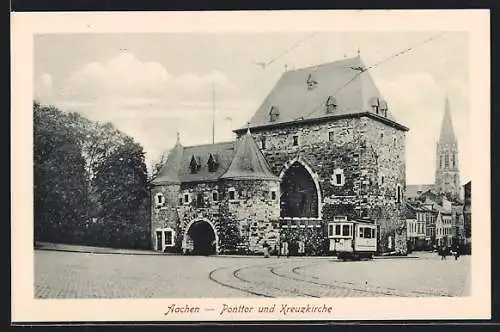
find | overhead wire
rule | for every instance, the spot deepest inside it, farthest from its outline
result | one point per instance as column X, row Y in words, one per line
column 363, row 70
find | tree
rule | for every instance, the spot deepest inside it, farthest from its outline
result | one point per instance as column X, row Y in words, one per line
column 60, row 182
column 158, row 165
column 120, row 181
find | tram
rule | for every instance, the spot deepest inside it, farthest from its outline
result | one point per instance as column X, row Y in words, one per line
column 352, row 239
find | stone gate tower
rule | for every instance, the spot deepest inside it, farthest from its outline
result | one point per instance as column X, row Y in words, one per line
column 447, row 171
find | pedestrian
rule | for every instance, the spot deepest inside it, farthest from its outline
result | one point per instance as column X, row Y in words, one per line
column 266, row 249
column 456, row 253
column 284, row 248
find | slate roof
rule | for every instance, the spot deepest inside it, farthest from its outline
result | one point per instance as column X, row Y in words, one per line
column 177, row 168
column 413, row 189
column 447, row 134
column 234, row 160
column 248, row 162
column 295, row 98
column 169, row 174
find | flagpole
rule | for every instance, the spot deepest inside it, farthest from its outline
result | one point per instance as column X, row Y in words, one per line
column 213, row 113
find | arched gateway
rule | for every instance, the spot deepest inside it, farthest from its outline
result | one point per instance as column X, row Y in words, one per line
column 300, row 191
column 200, row 238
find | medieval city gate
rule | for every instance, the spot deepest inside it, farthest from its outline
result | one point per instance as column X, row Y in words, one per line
column 200, row 238
column 300, row 192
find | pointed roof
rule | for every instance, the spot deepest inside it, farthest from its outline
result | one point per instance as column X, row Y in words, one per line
column 447, row 133
column 169, row 174
column 296, row 98
column 248, row 162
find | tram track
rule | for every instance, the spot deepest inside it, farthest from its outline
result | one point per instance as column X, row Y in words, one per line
column 350, row 285
column 238, row 281
column 267, row 288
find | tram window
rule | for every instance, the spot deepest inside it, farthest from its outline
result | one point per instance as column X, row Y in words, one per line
column 337, row 230
column 361, row 232
column 330, row 230
column 345, row 230
column 368, row 233
column 373, row 233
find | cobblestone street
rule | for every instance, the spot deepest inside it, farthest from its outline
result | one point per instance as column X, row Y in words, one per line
column 86, row 275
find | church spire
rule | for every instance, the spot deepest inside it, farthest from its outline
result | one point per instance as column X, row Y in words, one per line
column 447, row 132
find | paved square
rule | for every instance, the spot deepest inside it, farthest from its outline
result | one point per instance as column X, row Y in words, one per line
column 85, row 275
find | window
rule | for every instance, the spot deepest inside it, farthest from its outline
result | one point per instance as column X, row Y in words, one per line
column 374, row 104
column 453, row 160
column 273, row 114
column 273, row 195
column 212, row 164
column 194, row 164
column 361, row 232
column 331, row 104
column 215, row 196
column 381, row 134
column 367, row 233
column 337, row 230
column 441, row 161
column 338, row 178
column 199, row 200
column 394, row 140
column 186, row 198
column 169, row 238
column 180, row 200
column 446, row 161
column 232, row 194
column 346, row 230
column 160, row 199
column 295, row 140
column 331, row 136
column 263, row 142
column 398, row 193
column 373, row 233
column 382, row 178
column 330, row 230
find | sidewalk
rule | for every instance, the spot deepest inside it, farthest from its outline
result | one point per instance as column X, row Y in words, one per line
column 105, row 250
column 93, row 250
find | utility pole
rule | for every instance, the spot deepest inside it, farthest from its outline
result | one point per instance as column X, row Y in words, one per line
column 213, row 113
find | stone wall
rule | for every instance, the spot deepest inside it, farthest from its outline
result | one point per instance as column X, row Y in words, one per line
column 254, row 210
column 367, row 158
column 165, row 216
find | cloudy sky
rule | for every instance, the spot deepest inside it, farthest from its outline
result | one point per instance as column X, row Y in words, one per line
column 152, row 85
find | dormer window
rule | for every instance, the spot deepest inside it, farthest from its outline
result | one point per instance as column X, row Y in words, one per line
column 295, row 141
column 331, row 104
column 194, row 164
column 212, row 164
column 374, row 103
column 383, row 107
column 274, row 114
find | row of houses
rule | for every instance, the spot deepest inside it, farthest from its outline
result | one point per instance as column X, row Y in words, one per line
column 433, row 220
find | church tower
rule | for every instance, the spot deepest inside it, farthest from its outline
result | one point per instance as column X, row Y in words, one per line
column 447, row 171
